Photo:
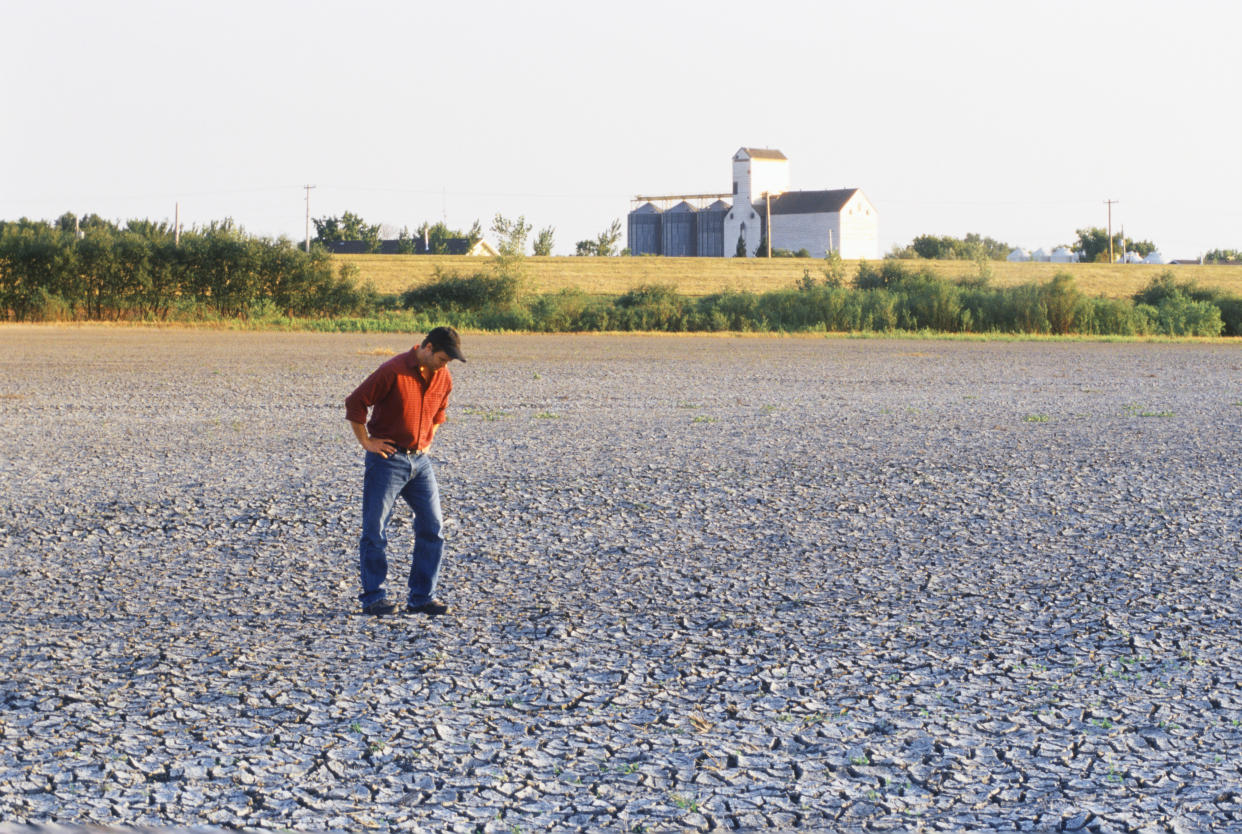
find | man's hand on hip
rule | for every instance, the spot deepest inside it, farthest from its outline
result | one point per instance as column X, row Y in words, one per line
column 379, row 446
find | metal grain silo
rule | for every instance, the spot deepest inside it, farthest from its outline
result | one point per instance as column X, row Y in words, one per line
column 680, row 231
column 711, row 230
column 644, row 230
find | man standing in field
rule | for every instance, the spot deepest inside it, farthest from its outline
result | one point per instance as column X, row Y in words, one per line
column 407, row 396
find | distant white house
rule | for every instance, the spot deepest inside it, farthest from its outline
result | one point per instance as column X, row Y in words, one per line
column 1019, row 255
column 1063, row 255
column 1039, row 255
column 1154, row 258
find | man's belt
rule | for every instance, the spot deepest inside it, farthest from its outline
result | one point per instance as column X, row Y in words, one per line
column 411, row 452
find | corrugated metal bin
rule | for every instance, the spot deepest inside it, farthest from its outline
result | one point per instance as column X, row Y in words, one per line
column 644, row 230
column 680, row 231
column 711, row 230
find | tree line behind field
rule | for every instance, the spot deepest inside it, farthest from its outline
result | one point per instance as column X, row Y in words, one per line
column 1091, row 245
column 94, row 269
column 438, row 238
column 91, row 269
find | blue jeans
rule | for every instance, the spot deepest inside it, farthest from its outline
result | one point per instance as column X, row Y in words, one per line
column 413, row 478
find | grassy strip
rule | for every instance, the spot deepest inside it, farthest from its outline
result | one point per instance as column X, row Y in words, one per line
column 697, row 277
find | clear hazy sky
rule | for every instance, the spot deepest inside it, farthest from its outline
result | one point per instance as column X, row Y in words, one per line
column 1015, row 120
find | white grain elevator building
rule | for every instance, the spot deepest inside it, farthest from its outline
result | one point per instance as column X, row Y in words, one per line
column 841, row 220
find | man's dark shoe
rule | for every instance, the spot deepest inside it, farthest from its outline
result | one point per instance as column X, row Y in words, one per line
column 379, row 609
column 432, row 609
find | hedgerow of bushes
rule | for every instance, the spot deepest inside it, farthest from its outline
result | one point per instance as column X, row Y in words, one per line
column 95, row 270
column 885, row 298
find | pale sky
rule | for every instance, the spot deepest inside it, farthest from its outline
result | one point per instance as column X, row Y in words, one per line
column 1012, row 120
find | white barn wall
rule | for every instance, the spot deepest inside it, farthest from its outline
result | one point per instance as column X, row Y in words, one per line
column 854, row 232
column 859, row 234
column 752, row 177
column 740, row 214
column 805, row 231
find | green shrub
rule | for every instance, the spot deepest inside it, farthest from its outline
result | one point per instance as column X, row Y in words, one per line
column 651, row 307
column 1158, row 289
column 927, row 303
column 1183, row 309
column 453, row 292
column 561, row 312
column 890, row 275
column 1062, row 304
column 727, row 310
column 1028, row 310
column 1115, row 317
column 513, row 317
column 1230, row 307
column 1180, row 315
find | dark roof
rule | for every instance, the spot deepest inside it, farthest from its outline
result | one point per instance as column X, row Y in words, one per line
column 454, row 245
column 349, row 247
column 763, row 153
column 809, row 202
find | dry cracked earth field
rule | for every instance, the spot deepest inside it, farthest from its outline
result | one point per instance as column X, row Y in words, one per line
column 698, row 584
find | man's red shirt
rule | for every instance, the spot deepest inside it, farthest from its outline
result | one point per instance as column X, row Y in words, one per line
column 404, row 407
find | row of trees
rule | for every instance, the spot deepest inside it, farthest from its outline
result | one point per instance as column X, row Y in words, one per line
column 435, row 238
column 970, row 248
column 90, row 268
column 1091, row 244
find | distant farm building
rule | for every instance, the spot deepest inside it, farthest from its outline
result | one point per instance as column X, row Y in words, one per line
column 1018, row 256
column 452, row 246
column 842, row 221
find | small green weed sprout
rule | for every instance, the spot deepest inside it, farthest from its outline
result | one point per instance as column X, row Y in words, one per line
column 684, row 803
column 1133, row 410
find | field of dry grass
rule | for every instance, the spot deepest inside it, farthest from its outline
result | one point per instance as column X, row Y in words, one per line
column 703, row 276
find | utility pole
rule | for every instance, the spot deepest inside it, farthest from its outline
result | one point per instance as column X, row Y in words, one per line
column 308, row 191
column 1110, row 228
column 767, row 197
column 177, row 225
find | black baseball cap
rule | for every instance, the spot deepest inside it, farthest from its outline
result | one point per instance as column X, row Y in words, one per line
column 447, row 340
